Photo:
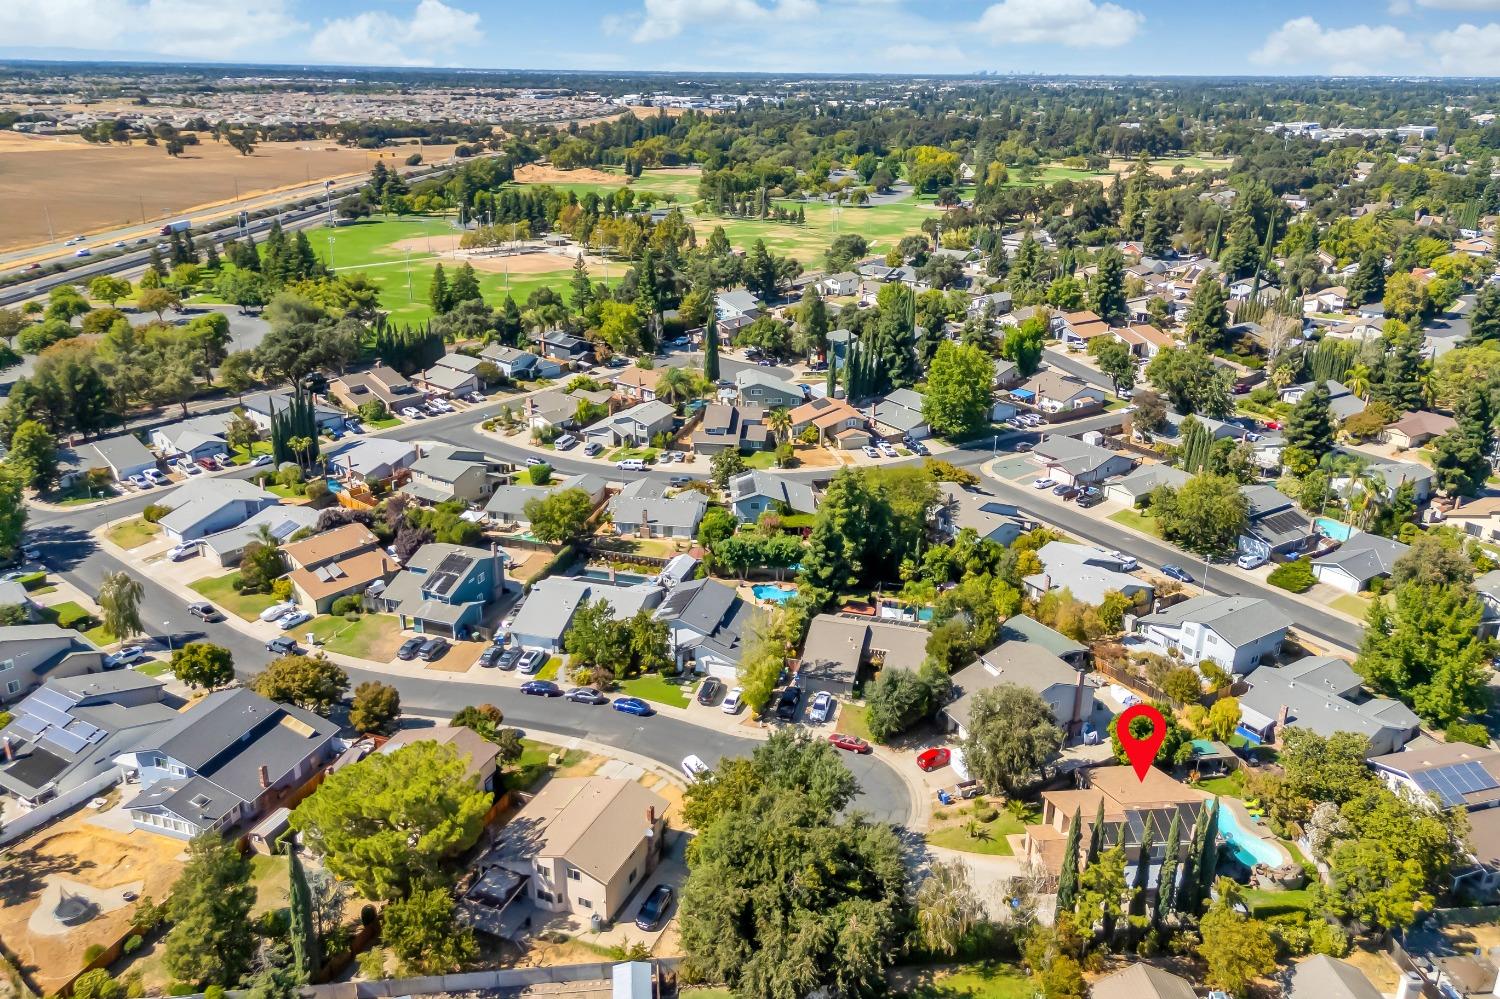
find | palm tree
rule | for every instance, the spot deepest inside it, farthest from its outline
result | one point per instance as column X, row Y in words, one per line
column 1371, row 498
column 1358, row 380
column 780, row 422
column 675, row 385
column 120, row 599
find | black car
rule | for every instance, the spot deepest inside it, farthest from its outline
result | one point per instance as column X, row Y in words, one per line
column 788, row 703
column 410, row 648
column 433, row 649
column 490, row 656
column 1090, row 497
column 585, row 695
column 281, row 645
column 1064, row 490
column 509, row 657
column 711, row 691
column 541, row 688
column 654, row 909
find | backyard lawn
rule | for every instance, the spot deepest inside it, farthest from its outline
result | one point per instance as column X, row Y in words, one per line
column 132, row 533
column 220, row 590
column 954, row 832
column 969, row 981
column 1230, row 786
column 370, row 636
column 1140, row 521
column 1271, row 903
column 654, row 687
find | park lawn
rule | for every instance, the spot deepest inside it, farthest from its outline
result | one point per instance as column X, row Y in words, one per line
column 1144, row 523
column 992, row 839
column 370, row 636
column 533, row 764
column 987, row 980
column 655, row 687
column 1264, row 903
column 133, row 533
column 220, row 590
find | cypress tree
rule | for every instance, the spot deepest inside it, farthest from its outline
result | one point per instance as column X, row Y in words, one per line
column 1096, row 834
column 711, row 345
column 1067, row 881
column 833, row 375
column 1208, row 862
column 1166, row 881
column 1142, row 873
column 304, row 939
column 437, row 293
column 1185, row 897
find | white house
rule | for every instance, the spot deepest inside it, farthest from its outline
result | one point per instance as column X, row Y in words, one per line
column 207, row 506
column 1235, row 632
column 1071, row 461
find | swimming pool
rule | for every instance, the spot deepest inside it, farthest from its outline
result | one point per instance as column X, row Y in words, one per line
column 1332, row 528
column 621, row 578
column 1248, row 848
column 773, row 594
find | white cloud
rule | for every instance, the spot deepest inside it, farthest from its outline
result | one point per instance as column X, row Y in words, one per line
column 170, row 27
column 663, row 19
column 1470, row 50
column 375, row 37
column 917, row 54
column 1074, row 23
column 1359, row 49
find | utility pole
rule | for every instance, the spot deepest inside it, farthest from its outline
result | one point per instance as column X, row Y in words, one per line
column 51, row 236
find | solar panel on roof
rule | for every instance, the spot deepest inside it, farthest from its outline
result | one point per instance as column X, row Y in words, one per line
column 51, row 698
column 50, row 715
column 442, row 582
column 64, row 740
column 83, row 729
column 28, row 723
column 454, row 563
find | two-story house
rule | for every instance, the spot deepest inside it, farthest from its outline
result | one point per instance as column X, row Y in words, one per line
column 639, row 425
column 724, row 426
column 755, row 387
column 447, row 472
column 755, row 492
column 444, row 590
column 1235, row 632
column 838, row 424
column 644, row 510
column 380, row 384
column 32, row 654
column 709, row 626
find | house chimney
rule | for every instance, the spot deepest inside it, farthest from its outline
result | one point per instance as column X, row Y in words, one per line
column 1075, row 724
column 1281, row 718
column 265, row 778
column 10, row 754
column 498, row 565
column 651, row 816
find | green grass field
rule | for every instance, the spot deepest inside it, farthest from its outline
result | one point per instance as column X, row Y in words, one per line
column 992, row 835
column 653, row 687
column 132, row 533
column 1140, row 521
column 371, row 636
column 533, row 765
column 220, row 590
column 970, row 981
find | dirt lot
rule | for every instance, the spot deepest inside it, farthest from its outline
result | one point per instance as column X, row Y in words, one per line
column 540, row 173
column 538, row 262
column 88, row 859
column 85, row 187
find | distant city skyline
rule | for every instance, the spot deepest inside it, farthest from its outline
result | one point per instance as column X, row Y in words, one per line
column 1076, row 37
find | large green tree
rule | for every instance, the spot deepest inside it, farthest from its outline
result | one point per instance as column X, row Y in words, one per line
column 424, row 933
column 120, row 598
column 203, row 665
column 1208, row 316
column 1460, row 462
column 312, row 682
column 1236, row 948
column 957, row 401
column 1205, row 516
column 211, row 941
column 1190, row 379
column 1422, row 647
column 560, row 517
column 1310, row 428
column 1011, row 735
column 1107, row 286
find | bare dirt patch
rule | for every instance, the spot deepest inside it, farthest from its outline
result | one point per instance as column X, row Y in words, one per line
column 541, row 261
column 542, row 173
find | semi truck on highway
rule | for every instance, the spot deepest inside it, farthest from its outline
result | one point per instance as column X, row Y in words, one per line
column 181, row 225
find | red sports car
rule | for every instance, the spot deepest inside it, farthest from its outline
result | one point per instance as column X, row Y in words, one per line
column 852, row 743
column 933, row 759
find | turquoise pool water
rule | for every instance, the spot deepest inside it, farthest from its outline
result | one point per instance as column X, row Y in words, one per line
column 1332, row 528
column 621, row 578
column 1248, row 848
column 773, row 594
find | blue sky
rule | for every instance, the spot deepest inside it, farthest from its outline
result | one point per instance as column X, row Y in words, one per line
column 1428, row 37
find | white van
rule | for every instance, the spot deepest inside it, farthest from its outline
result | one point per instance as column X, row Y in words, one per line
column 631, row 465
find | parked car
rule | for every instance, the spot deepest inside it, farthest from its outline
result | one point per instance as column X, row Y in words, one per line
column 632, row 706
column 139, row 481
column 710, row 690
column 204, row 611
column 592, row 448
column 129, row 654
column 533, row 461
column 491, row 655
column 509, row 657
column 870, row 452
column 184, row 551
column 788, row 703
column 261, row 459
column 565, row 441
column 1177, row 572
column 277, row 611
column 887, row 449
column 1064, row 490
column 851, row 743
column 1127, row 562
column 693, row 767
column 1024, row 447
column 187, row 467
column 1090, row 497
column 410, row 648
column 934, row 759
column 411, row 412
column 207, row 464
column 283, row 645
column 654, row 909
column 1043, row 483
column 732, row 701
column 821, row 708
column 631, row 465
column 293, row 619
column 531, row 661
column 156, row 477
column 1250, row 561
column 541, row 688
column 433, row 650
column 587, row 695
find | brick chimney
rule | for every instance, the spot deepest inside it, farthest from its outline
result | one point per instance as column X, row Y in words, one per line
column 651, row 816
column 1281, row 718
column 265, row 778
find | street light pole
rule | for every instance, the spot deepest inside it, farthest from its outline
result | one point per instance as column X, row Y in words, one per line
column 167, row 633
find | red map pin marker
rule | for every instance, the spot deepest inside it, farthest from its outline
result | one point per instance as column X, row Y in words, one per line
column 1142, row 751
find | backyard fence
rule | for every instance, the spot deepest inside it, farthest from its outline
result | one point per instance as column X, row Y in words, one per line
column 60, row 806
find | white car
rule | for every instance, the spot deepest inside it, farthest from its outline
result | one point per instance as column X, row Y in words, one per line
column 733, row 700
column 887, row 450
column 693, row 767
column 276, row 612
column 156, row 477
column 188, row 467
column 1042, row 483
column 139, row 481
column 184, row 551
column 290, row 621
column 870, row 452
column 822, row 707
column 631, row 465
column 411, row 413
column 1127, row 562
column 261, row 459
column 1250, row 561
column 126, row 656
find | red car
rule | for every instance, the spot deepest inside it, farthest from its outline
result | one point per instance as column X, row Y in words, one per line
column 852, row 743
column 1272, row 425
column 933, row 759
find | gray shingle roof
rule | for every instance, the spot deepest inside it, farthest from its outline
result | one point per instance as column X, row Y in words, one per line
column 1237, row 620
column 796, row 495
column 1365, row 556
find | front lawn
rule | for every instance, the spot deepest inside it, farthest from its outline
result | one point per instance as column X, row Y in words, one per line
column 1139, row 521
column 156, row 667
column 852, row 722
column 385, row 424
column 655, row 687
column 370, row 636
column 550, row 668
column 220, row 590
column 970, row 981
column 132, row 533
column 239, row 455
column 957, row 834
column 646, row 454
column 70, row 614
column 760, row 459
column 533, row 764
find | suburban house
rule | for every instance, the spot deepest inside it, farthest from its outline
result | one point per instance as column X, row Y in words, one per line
column 380, row 384
column 68, row 732
column 1322, row 977
column 452, row 375
column 1135, row 488
column 754, row 387
column 336, row 563
column 1322, row 694
column 518, row 365
column 1131, row 805
column 195, row 439
column 1087, row 572
column 1235, row 632
column 839, row 285
column 1416, row 429
column 563, row 348
column 726, row 426
column 1334, row 299
column 644, row 510
column 205, row 506
column 1396, row 474
column 1073, row 462
column 996, row 303
column 260, row 407
column 227, row 547
column 547, row 613
column 32, row 654
column 1358, row 561
column 1488, row 588
column 708, row 626
column 123, row 456
column 962, row 508
column 637, row 384
column 556, row 409
column 481, row 756
column 753, row 493
column 1145, row 341
column 839, row 647
column 507, row 505
column 899, row 416
column 838, row 424
column 1274, row 528
column 1456, row 775
column 371, row 459
column 1053, row 391
column 586, row 844
column 1142, row 981
column 447, row 472
column 228, row 759
column 636, row 426
column 1063, row 686
column 1342, row 402
column 736, row 309
column 1076, row 329
column 443, row 590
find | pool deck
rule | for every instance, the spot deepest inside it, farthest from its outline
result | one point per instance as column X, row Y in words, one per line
column 1254, row 828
